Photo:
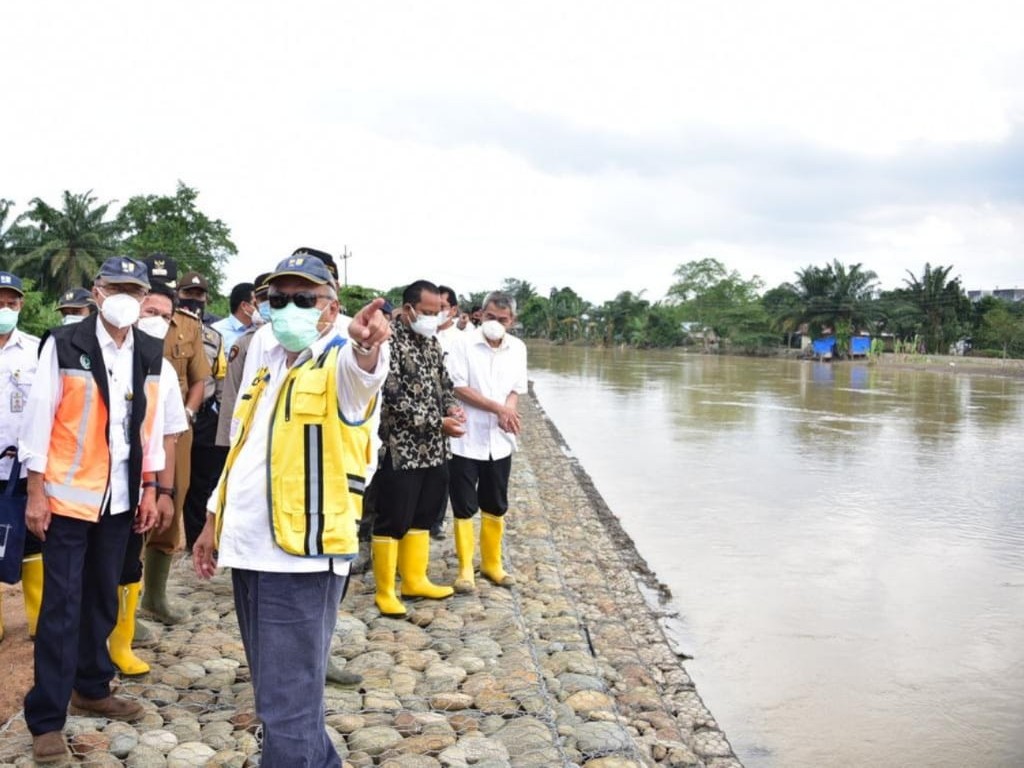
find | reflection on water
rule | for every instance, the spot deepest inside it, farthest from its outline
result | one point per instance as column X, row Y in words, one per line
column 845, row 543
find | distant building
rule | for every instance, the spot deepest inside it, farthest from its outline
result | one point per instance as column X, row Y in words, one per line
column 1003, row 294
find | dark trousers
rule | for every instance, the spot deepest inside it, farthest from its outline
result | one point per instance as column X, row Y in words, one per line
column 207, row 463
column 81, row 565
column 286, row 621
column 407, row 498
column 475, row 484
column 131, row 570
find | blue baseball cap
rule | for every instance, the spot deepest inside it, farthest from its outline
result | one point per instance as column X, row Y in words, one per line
column 76, row 298
column 11, row 282
column 304, row 266
column 122, row 269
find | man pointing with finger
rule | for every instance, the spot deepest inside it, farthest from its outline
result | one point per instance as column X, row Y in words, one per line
column 282, row 516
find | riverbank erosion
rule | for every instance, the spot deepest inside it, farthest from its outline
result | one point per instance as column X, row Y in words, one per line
column 571, row 667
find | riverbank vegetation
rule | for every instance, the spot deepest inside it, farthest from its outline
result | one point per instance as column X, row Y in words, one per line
column 708, row 306
column 718, row 309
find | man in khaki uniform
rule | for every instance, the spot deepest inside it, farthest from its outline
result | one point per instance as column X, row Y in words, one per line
column 183, row 348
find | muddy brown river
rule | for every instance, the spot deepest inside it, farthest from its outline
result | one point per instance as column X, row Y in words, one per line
column 844, row 543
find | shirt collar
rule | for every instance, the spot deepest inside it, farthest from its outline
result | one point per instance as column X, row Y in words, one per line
column 481, row 339
column 106, row 340
column 16, row 339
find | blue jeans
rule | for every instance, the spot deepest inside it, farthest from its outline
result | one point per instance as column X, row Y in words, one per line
column 286, row 621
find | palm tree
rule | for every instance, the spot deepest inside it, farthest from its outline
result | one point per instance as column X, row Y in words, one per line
column 8, row 235
column 834, row 296
column 940, row 300
column 71, row 243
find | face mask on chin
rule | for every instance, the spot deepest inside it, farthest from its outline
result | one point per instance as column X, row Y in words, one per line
column 120, row 309
column 295, row 328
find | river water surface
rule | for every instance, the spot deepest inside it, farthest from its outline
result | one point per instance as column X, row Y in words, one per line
column 844, row 543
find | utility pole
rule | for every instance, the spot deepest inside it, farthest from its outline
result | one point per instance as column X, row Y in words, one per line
column 345, row 256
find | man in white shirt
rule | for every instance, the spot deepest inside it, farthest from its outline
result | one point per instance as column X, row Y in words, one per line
column 92, row 454
column 287, row 530
column 489, row 373
column 18, row 353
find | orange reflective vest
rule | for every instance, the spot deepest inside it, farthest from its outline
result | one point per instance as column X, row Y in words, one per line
column 77, row 476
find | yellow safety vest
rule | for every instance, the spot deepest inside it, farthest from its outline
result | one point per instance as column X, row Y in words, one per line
column 316, row 460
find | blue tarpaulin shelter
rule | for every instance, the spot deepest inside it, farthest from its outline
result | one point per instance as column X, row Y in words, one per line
column 824, row 348
column 860, row 346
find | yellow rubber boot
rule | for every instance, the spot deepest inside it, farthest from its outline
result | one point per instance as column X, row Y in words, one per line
column 413, row 558
column 492, row 531
column 32, row 590
column 120, row 640
column 465, row 548
column 385, row 561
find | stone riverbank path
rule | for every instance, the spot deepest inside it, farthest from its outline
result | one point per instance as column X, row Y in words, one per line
column 570, row 667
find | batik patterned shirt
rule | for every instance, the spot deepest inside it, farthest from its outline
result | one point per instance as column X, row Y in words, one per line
column 414, row 400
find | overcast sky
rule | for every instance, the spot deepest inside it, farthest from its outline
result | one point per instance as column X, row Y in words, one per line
column 590, row 144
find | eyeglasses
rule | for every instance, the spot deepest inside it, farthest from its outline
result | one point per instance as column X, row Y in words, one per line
column 302, row 299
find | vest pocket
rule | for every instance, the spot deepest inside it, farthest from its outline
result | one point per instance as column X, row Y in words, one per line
column 309, row 397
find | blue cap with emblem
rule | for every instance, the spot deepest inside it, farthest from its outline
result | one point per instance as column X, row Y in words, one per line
column 121, row 269
column 305, row 266
column 11, row 282
column 76, row 298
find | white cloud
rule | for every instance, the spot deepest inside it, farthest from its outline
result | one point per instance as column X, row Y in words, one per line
column 594, row 144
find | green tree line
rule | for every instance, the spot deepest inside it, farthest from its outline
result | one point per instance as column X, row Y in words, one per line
column 60, row 246
column 718, row 308
column 57, row 247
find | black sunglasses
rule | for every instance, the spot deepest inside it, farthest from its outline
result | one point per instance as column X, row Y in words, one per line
column 302, row 299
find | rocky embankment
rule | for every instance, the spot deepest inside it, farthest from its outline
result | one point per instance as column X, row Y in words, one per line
column 569, row 668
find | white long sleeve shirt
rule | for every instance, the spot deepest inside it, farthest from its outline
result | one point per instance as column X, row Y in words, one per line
column 495, row 373
column 246, row 537
column 18, row 360
column 45, row 395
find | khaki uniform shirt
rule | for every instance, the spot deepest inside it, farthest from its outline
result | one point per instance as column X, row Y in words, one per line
column 183, row 348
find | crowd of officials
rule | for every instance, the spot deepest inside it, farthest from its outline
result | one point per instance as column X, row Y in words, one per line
column 288, row 441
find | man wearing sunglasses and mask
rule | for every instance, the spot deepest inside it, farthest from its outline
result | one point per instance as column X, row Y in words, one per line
column 279, row 518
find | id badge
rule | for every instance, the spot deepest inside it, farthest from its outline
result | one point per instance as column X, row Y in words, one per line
column 17, row 401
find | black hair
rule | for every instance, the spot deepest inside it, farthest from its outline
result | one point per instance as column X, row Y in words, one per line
column 162, row 289
column 414, row 292
column 240, row 294
column 453, row 297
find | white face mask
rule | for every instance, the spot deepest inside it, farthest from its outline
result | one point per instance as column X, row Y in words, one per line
column 154, row 325
column 492, row 330
column 426, row 325
column 256, row 317
column 72, row 319
column 120, row 310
